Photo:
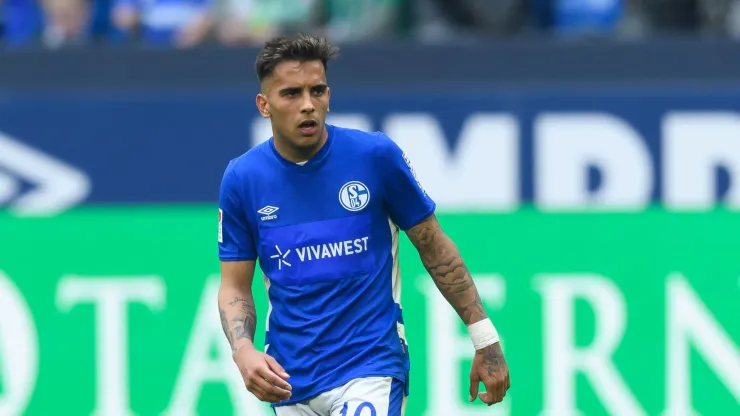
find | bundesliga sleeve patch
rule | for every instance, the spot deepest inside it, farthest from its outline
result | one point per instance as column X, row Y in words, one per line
column 220, row 225
column 413, row 172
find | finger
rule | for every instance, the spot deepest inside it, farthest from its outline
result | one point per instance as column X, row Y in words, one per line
column 491, row 391
column 474, row 382
column 495, row 390
column 264, row 396
column 257, row 392
column 273, row 378
column 492, row 395
column 277, row 368
column 269, row 393
column 269, row 388
column 504, row 386
column 505, row 383
column 501, row 392
column 489, row 399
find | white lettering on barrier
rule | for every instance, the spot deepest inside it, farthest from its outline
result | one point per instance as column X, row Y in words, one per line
column 482, row 172
column 18, row 350
column 566, row 145
column 448, row 347
column 200, row 366
column 689, row 324
column 694, row 146
column 111, row 297
column 564, row 360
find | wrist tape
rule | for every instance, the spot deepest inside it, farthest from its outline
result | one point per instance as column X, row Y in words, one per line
column 483, row 334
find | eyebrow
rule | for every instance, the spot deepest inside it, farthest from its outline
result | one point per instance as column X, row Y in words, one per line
column 319, row 87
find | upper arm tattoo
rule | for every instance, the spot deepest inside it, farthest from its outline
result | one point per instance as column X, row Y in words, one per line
column 445, row 265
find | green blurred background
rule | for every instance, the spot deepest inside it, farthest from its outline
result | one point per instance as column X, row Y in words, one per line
column 112, row 311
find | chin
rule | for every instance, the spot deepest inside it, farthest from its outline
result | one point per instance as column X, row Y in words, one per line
column 307, row 142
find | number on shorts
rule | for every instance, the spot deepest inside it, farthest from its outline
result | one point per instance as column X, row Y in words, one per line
column 369, row 405
column 360, row 408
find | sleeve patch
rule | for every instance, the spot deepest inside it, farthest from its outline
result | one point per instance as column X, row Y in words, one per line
column 413, row 172
column 220, row 225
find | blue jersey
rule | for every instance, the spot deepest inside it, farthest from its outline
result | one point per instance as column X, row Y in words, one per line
column 326, row 236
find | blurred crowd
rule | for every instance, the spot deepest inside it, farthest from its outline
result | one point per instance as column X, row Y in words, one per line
column 188, row 23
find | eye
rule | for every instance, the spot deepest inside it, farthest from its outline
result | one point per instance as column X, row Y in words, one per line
column 291, row 92
column 318, row 91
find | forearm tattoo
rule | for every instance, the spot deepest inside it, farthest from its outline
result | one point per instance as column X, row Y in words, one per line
column 241, row 321
column 442, row 260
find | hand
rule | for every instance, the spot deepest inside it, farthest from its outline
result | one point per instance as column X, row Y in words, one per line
column 489, row 366
column 262, row 375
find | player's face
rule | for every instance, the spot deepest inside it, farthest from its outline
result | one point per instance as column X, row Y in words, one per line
column 296, row 99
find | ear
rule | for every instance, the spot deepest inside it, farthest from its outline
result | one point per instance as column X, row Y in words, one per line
column 262, row 106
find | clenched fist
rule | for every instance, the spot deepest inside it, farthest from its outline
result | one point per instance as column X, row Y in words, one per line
column 489, row 366
column 262, row 375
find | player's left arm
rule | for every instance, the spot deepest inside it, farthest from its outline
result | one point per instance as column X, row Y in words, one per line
column 445, row 265
column 412, row 210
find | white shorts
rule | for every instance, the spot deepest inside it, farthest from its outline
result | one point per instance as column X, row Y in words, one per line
column 371, row 396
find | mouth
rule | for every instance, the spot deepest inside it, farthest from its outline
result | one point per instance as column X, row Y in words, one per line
column 308, row 127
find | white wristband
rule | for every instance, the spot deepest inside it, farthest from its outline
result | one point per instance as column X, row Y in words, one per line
column 483, row 334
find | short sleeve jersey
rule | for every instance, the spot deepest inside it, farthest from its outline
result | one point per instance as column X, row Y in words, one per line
column 325, row 234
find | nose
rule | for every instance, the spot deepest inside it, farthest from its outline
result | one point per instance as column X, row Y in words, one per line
column 307, row 105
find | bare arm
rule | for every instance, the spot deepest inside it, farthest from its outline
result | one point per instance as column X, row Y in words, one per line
column 442, row 260
column 444, row 263
column 262, row 375
column 236, row 304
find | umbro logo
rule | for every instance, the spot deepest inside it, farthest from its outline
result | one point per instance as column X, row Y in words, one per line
column 268, row 213
column 53, row 186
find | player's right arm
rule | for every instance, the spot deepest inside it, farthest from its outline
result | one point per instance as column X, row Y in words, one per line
column 262, row 375
column 236, row 303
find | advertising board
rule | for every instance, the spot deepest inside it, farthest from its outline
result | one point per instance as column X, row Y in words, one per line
column 112, row 311
column 484, row 151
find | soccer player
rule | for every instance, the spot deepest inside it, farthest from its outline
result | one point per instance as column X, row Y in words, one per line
column 320, row 208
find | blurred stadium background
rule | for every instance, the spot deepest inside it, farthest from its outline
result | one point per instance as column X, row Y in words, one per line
column 585, row 156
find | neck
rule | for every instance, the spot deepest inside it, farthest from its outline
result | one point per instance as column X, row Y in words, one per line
column 297, row 154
